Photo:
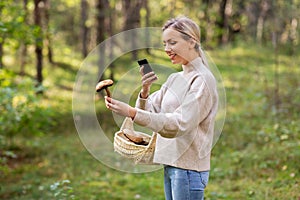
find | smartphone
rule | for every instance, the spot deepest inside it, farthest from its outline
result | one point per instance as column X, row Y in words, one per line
column 147, row 67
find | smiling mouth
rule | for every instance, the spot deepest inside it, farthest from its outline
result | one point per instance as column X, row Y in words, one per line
column 172, row 56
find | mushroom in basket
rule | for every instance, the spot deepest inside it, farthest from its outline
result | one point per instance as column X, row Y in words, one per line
column 135, row 137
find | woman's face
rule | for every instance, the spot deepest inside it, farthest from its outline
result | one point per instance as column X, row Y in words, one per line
column 176, row 47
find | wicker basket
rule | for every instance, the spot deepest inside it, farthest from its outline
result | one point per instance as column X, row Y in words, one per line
column 140, row 154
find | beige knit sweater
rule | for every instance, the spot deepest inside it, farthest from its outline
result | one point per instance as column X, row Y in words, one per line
column 183, row 113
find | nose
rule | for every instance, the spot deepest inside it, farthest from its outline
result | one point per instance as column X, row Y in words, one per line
column 167, row 48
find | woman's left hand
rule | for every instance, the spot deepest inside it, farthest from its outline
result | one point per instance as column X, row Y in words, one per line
column 119, row 107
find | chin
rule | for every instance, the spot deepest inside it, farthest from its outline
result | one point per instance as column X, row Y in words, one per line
column 176, row 61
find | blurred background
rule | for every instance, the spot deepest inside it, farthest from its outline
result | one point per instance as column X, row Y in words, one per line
column 254, row 44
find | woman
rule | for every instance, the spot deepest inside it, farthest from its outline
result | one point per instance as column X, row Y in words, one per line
column 182, row 112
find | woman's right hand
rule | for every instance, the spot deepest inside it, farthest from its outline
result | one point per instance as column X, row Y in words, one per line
column 147, row 80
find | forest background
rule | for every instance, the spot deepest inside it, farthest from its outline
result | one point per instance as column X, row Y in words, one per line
column 255, row 45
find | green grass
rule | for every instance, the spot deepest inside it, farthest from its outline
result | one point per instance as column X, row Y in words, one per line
column 256, row 157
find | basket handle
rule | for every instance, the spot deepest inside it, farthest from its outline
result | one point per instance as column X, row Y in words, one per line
column 127, row 124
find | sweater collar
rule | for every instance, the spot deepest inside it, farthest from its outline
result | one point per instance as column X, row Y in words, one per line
column 193, row 65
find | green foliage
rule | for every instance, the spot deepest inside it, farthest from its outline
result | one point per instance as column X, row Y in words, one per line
column 20, row 107
column 65, row 21
column 13, row 25
column 62, row 190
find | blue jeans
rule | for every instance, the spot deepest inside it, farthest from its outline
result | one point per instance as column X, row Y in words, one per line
column 182, row 184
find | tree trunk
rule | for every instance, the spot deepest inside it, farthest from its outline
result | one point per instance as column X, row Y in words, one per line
column 101, row 16
column 48, row 33
column 275, row 32
column 264, row 7
column 23, row 44
column 146, row 6
column 1, row 46
column 112, row 41
column 39, row 64
column 132, row 20
column 39, row 41
column 84, row 28
column 101, row 6
column 225, row 13
column 209, row 30
column 293, row 35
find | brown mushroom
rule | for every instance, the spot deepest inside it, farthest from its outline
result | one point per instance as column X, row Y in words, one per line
column 104, row 85
column 135, row 137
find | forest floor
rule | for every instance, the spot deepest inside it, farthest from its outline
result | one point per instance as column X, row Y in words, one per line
column 256, row 157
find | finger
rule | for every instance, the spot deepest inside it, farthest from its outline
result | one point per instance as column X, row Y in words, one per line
column 111, row 107
column 150, row 80
column 113, row 101
column 149, row 75
column 141, row 70
column 154, row 78
column 108, row 99
column 108, row 103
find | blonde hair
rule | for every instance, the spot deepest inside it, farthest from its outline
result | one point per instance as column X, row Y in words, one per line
column 189, row 30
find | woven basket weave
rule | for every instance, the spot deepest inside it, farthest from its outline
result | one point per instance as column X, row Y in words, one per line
column 140, row 154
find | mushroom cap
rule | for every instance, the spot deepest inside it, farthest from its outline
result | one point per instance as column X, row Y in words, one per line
column 104, row 84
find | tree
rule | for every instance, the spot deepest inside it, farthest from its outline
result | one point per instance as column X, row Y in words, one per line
column 2, row 30
column 47, row 30
column 209, row 22
column 39, row 40
column 131, row 10
column 24, row 44
column 225, row 14
column 84, row 28
column 147, row 20
column 111, row 30
column 14, row 30
column 101, row 15
column 264, row 7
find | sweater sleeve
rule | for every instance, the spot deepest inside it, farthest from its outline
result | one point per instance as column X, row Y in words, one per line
column 153, row 102
column 194, row 108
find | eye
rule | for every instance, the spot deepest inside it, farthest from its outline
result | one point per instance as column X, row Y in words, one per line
column 169, row 43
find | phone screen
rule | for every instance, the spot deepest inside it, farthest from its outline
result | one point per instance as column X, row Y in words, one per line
column 147, row 67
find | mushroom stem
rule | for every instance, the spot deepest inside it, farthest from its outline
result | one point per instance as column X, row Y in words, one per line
column 107, row 92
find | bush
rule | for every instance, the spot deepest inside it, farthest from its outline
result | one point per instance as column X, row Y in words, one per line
column 22, row 111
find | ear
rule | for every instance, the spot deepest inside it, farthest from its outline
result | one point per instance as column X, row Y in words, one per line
column 192, row 44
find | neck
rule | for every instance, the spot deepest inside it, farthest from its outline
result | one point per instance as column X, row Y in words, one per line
column 192, row 56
